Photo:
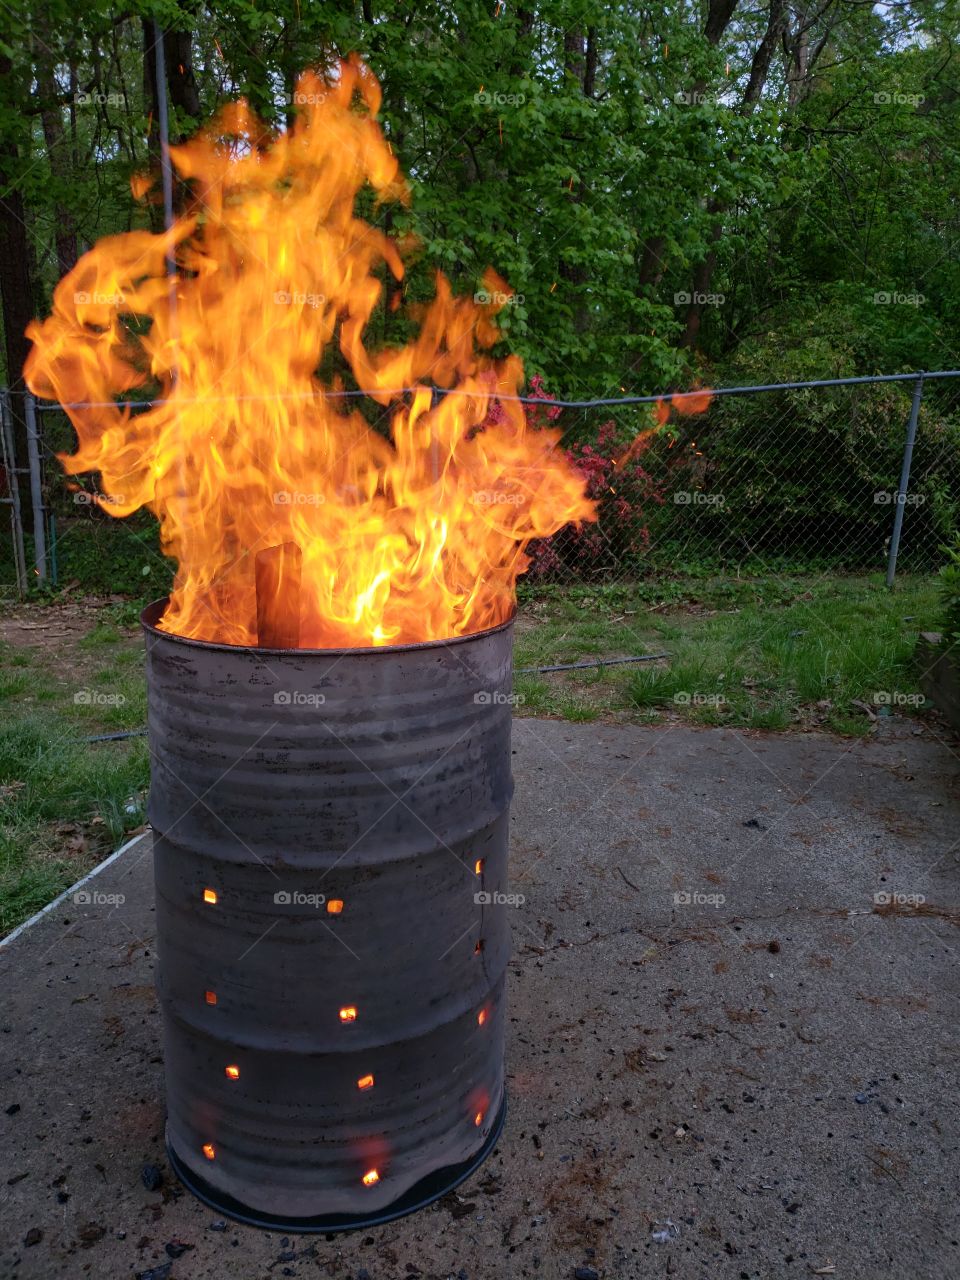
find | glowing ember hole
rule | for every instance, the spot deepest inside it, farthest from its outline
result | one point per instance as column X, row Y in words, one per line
column 334, row 906
column 233, row 1073
column 371, row 1178
column 478, row 1119
column 349, row 1014
column 210, row 895
column 478, row 867
column 479, row 947
column 208, row 1150
column 365, row 1082
column 210, row 997
column 481, row 1017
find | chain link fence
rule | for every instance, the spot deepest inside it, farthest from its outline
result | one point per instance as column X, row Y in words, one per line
column 846, row 476
column 795, row 478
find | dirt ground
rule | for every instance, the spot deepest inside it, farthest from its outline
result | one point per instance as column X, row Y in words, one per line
column 55, row 630
column 732, row 1046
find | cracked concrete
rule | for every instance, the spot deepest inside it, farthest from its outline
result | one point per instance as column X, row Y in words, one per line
column 732, row 1046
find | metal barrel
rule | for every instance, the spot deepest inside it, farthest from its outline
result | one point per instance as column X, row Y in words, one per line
column 331, row 835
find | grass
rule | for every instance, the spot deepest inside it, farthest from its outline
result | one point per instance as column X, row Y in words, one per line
column 763, row 655
column 768, row 653
column 66, row 803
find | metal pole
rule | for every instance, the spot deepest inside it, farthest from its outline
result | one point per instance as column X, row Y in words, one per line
column 54, row 576
column 166, row 173
column 166, row 169
column 13, row 482
column 434, row 443
column 36, row 489
column 440, row 393
column 904, row 480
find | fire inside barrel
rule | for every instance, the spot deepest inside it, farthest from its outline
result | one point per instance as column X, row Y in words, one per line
column 243, row 448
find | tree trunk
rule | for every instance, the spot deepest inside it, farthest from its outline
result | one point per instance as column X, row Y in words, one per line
column 575, row 64
column 652, row 265
column 590, row 68
column 719, row 15
column 56, row 140
column 16, row 298
column 59, row 143
column 178, row 51
column 152, row 101
column 16, row 294
column 798, row 49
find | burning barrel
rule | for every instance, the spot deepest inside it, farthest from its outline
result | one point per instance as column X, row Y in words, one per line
column 328, row 683
column 330, row 832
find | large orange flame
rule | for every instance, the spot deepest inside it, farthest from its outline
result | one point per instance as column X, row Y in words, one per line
column 242, row 450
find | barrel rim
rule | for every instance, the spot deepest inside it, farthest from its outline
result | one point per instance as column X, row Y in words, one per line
column 154, row 611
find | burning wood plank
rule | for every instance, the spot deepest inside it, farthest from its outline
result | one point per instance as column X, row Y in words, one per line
column 278, row 572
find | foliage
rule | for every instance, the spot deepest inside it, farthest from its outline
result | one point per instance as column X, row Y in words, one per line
column 615, row 480
column 624, row 491
column 608, row 162
column 588, row 154
column 817, row 470
column 66, row 803
column 950, row 594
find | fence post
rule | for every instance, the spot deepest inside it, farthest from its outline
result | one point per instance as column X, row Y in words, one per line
column 36, row 488
column 904, row 480
column 13, row 483
column 434, row 442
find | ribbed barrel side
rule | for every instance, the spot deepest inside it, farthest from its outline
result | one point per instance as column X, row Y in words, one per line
column 331, row 841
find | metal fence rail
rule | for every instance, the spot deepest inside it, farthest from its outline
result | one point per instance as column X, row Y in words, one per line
column 856, row 474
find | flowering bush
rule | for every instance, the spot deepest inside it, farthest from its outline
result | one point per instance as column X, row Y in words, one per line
column 622, row 489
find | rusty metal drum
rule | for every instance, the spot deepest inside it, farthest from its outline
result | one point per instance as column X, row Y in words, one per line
column 330, row 836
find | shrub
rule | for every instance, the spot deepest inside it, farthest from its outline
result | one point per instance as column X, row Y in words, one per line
column 950, row 594
column 814, row 472
column 623, row 490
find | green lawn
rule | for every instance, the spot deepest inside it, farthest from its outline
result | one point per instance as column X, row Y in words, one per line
column 767, row 654
column 772, row 653
column 65, row 803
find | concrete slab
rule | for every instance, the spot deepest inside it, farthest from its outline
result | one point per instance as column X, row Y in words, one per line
column 727, row 1057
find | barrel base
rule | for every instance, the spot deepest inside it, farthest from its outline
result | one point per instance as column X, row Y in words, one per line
column 425, row 1192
